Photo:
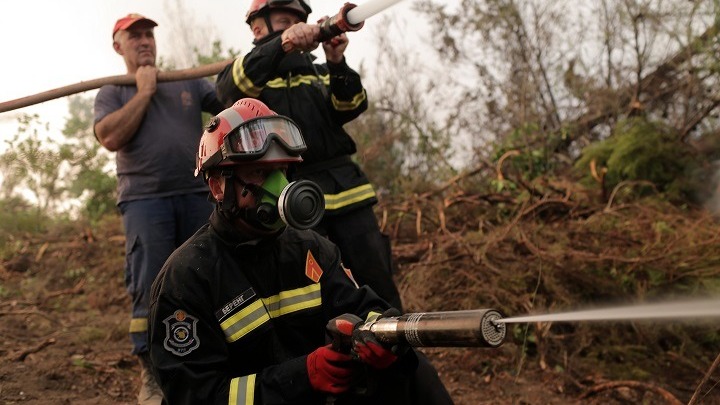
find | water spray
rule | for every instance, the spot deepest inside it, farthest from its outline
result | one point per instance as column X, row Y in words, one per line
column 708, row 308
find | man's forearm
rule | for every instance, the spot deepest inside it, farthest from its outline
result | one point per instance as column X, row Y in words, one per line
column 116, row 129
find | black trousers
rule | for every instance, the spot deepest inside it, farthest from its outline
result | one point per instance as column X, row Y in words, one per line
column 416, row 386
column 364, row 249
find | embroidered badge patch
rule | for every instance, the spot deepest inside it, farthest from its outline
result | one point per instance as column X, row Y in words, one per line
column 181, row 333
column 312, row 268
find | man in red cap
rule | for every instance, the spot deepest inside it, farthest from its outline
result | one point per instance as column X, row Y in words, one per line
column 154, row 128
column 136, row 26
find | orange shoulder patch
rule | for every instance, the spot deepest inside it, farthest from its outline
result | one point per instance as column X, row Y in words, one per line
column 312, row 268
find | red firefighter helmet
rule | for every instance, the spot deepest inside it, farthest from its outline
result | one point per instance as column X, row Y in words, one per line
column 248, row 133
column 300, row 7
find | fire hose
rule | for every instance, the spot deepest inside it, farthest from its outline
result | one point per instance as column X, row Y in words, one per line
column 119, row 80
column 471, row 328
column 350, row 18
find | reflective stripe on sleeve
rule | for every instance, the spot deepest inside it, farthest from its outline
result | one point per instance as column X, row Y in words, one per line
column 242, row 81
column 242, row 390
column 349, row 105
column 297, row 81
column 245, row 321
column 293, row 300
column 257, row 313
column 348, row 197
column 138, row 325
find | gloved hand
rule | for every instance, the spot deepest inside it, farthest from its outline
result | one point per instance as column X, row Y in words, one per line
column 370, row 351
column 329, row 371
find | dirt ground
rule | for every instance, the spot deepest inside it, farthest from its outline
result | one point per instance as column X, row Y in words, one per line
column 63, row 340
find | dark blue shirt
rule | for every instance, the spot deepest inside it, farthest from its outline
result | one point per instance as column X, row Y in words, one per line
column 159, row 161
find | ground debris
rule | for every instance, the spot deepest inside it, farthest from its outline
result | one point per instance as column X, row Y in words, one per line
column 65, row 311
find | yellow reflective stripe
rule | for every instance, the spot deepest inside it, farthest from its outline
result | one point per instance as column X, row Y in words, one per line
column 244, row 321
column 293, row 300
column 233, row 394
column 372, row 316
column 260, row 311
column 138, row 325
column 242, row 390
column 360, row 193
column 349, row 105
column 242, row 81
column 297, row 81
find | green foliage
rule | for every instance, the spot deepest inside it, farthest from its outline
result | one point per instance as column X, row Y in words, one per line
column 217, row 54
column 530, row 151
column 53, row 168
column 17, row 216
column 641, row 150
column 4, row 292
column 377, row 149
column 34, row 162
column 404, row 145
column 400, row 148
column 92, row 180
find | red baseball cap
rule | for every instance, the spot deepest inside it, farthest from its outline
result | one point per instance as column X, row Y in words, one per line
column 130, row 19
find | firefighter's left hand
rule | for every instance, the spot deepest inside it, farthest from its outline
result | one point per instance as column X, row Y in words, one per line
column 370, row 351
column 335, row 48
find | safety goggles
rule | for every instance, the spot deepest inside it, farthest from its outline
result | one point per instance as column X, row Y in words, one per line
column 252, row 138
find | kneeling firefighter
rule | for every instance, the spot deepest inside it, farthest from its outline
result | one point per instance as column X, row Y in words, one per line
column 239, row 312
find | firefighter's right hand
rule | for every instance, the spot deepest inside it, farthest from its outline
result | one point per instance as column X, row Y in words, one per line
column 329, row 371
column 301, row 37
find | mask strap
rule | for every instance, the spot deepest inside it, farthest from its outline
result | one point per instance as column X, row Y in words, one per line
column 229, row 207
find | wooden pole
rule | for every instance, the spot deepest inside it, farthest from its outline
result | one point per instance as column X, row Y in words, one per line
column 127, row 80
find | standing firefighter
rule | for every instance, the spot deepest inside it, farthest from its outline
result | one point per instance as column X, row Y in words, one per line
column 154, row 129
column 320, row 98
column 239, row 312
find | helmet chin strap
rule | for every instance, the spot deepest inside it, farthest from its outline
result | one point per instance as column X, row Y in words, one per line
column 228, row 206
column 268, row 23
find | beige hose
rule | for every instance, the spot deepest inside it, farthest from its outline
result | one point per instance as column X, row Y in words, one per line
column 170, row 76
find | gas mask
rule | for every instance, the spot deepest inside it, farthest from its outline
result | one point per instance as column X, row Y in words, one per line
column 299, row 204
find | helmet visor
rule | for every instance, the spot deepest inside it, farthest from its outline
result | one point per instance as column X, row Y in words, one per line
column 252, row 138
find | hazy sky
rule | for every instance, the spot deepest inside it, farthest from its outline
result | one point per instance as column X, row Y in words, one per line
column 48, row 44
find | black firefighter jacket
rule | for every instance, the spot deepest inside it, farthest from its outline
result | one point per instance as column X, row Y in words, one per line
column 233, row 322
column 320, row 98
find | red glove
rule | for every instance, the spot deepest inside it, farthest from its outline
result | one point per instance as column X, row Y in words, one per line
column 370, row 351
column 329, row 371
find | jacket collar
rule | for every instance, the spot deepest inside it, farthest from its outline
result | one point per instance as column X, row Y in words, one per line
column 233, row 236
